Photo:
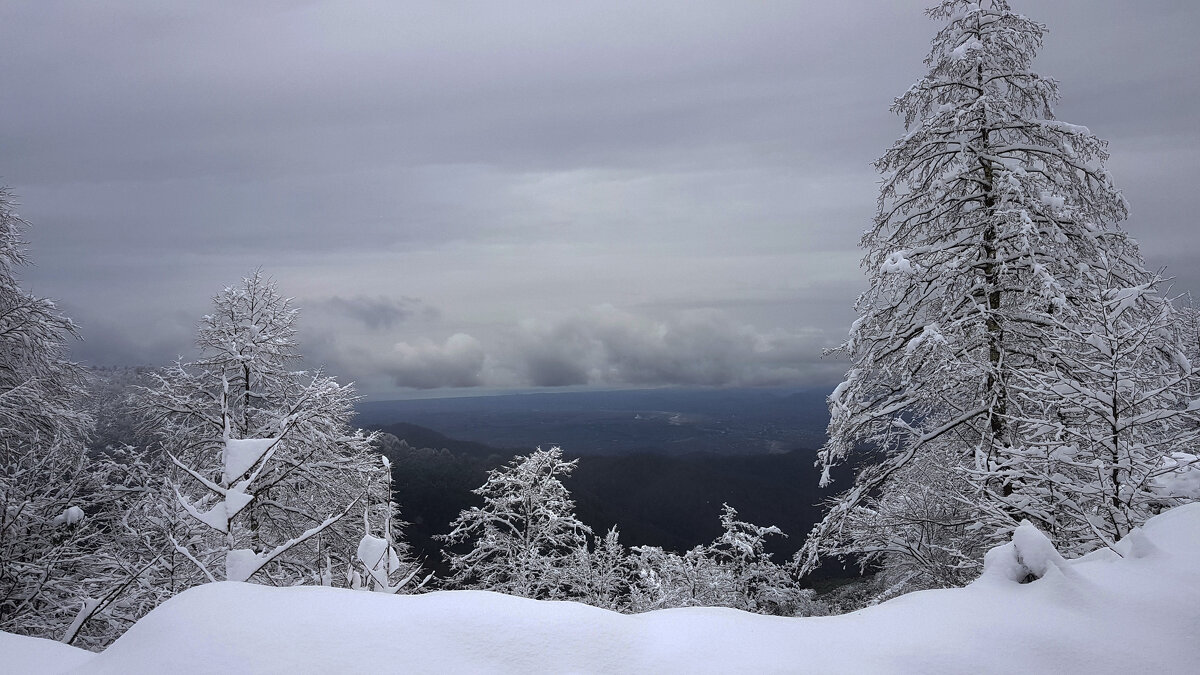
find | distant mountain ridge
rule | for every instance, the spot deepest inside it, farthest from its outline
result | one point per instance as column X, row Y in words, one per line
column 417, row 436
column 648, row 421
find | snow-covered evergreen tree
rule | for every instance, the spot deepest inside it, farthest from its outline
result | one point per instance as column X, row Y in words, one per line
column 263, row 455
column 996, row 222
column 525, row 535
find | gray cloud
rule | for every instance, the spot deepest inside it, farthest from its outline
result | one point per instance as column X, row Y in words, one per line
column 104, row 342
column 695, row 347
column 424, row 364
column 601, row 346
column 374, row 312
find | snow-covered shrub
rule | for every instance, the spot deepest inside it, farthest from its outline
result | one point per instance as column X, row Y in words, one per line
column 383, row 563
column 525, row 536
column 732, row 571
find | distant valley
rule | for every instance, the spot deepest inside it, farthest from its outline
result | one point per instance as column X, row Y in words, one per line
column 658, row 464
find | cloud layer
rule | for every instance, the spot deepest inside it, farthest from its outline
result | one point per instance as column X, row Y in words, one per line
column 699, row 347
column 603, row 346
column 424, row 364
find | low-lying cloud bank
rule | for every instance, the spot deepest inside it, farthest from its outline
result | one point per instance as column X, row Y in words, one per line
column 386, row 342
column 1131, row 609
column 611, row 347
column 425, row 364
column 697, row 347
column 377, row 312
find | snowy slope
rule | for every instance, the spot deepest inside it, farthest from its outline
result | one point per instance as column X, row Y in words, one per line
column 1100, row 614
column 20, row 654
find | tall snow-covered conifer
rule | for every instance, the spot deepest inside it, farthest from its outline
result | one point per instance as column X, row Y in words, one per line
column 996, row 225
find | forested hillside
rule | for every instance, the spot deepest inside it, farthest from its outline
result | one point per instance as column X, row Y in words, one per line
column 672, row 501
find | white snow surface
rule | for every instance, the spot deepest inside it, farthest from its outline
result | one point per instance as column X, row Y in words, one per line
column 240, row 563
column 242, row 453
column 1133, row 610
column 20, row 654
column 71, row 516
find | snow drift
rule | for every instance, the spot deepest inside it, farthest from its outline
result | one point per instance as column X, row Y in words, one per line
column 1136, row 609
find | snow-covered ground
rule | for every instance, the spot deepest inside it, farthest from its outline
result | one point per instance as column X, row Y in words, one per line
column 1139, row 613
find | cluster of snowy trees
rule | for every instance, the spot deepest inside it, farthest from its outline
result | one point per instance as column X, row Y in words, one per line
column 732, row 571
column 1013, row 360
column 525, row 540
column 234, row 466
column 237, row 466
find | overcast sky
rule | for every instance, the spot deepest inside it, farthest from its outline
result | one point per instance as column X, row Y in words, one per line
column 515, row 194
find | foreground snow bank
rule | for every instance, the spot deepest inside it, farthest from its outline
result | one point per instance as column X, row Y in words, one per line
column 20, row 654
column 1101, row 614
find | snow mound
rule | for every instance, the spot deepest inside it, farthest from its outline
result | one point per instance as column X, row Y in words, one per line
column 22, row 654
column 1030, row 555
column 1132, row 609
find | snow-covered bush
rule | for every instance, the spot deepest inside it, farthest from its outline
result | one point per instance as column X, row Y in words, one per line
column 383, row 563
column 600, row 576
column 525, row 536
column 732, row 571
